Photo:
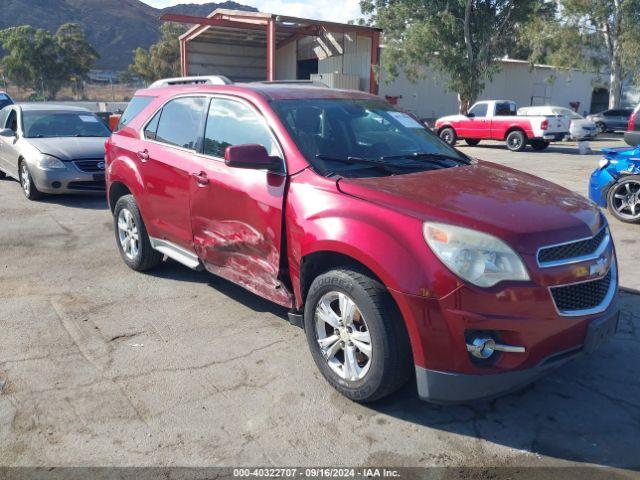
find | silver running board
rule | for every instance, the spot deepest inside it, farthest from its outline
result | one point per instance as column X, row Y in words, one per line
column 176, row 253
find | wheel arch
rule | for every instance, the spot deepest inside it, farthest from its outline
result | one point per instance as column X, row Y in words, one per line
column 515, row 128
column 116, row 191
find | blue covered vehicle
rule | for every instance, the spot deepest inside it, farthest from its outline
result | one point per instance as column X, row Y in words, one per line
column 615, row 184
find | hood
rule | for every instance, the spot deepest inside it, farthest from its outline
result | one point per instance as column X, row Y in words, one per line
column 70, row 148
column 451, row 118
column 524, row 210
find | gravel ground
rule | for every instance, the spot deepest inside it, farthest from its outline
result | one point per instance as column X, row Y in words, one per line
column 102, row 366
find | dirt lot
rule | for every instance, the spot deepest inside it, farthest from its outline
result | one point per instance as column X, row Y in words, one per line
column 105, row 366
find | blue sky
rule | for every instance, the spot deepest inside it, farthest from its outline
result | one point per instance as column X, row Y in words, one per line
column 333, row 10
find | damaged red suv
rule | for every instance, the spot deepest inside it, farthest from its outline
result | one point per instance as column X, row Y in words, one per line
column 396, row 253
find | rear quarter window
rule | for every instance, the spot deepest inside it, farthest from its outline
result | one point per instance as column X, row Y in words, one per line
column 136, row 105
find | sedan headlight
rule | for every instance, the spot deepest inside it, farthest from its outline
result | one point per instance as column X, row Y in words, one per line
column 47, row 162
column 476, row 257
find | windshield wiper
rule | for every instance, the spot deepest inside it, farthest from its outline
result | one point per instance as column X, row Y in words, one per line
column 433, row 155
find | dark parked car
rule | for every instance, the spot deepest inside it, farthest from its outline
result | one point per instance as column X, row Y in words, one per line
column 614, row 120
column 5, row 100
column 398, row 254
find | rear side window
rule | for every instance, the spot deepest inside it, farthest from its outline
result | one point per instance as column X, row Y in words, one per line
column 136, row 105
column 4, row 113
column 180, row 122
column 233, row 123
column 505, row 109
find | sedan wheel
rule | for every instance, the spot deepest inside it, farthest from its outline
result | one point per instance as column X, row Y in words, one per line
column 343, row 336
column 624, row 200
column 26, row 182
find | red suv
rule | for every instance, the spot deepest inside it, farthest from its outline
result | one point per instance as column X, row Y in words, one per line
column 396, row 253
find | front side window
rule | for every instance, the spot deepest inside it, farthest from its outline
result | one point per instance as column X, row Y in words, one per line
column 180, row 122
column 229, row 123
column 363, row 137
column 479, row 110
column 60, row 123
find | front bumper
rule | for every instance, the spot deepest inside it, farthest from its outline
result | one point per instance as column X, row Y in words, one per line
column 68, row 180
column 451, row 387
column 553, row 137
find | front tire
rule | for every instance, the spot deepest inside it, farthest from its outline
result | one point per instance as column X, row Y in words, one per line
column 539, row 145
column 131, row 236
column 449, row 136
column 26, row 181
column 623, row 199
column 356, row 335
column 516, row 141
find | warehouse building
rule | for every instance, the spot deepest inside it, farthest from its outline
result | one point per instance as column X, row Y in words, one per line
column 255, row 46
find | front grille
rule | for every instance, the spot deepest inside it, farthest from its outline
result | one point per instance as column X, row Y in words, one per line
column 582, row 296
column 90, row 166
column 571, row 250
column 87, row 186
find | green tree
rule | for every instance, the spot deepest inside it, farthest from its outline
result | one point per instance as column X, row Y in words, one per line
column 79, row 56
column 34, row 59
column 45, row 62
column 462, row 39
column 162, row 60
column 612, row 24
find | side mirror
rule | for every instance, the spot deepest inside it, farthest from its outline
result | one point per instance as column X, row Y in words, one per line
column 251, row 156
column 7, row 133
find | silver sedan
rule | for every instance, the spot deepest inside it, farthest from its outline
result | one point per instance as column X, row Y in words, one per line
column 52, row 148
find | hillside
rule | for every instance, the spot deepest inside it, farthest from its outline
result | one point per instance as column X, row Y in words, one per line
column 115, row 27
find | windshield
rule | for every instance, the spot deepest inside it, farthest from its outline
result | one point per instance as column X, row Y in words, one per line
column 363, row 137
column 52, row 123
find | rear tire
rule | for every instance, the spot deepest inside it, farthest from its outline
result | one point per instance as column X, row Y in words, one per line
column 472, row 142
column 623, row 199
column 131, row 236
column 26, row 182
column 539, row 145
column 449, row 136
column 516, row 141
column 374, row 325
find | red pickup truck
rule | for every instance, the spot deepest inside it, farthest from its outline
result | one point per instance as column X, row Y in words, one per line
column 397, row 254
column 497, row 120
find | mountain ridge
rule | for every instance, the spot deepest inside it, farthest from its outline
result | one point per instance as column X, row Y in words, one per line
column 115, row 27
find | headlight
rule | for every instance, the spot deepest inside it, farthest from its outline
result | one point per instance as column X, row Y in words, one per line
column 603, row 162
column 476, row 257
column 47, row 162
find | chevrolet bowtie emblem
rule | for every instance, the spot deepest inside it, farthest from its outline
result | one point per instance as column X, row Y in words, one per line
column 599, row 268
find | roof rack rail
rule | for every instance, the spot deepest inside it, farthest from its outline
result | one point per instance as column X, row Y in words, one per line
column 204, row 80
column 293, row 82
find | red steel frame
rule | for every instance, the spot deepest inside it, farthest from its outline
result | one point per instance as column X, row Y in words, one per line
column 269, row 22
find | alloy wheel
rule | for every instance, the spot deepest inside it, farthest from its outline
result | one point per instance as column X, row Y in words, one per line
column 515, row 142
column 128, row 234
column 626, row 200
column 343, row 336
column 24, row 179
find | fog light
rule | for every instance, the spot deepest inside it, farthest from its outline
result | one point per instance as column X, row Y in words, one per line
column 56, row 184
column 482, row 347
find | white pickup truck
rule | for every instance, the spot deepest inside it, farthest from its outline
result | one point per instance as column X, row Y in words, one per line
column 498, row 120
